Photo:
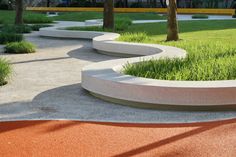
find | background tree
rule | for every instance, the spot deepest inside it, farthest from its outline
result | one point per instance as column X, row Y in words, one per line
column 19, row 12
column 108, row 14
column 172, row 24
column 163, row 3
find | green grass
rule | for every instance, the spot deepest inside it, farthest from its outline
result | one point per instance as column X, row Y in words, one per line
column 200, row 16
column 36, row 18
column 5, row 71
column 8, row 17
column 210, row 45
column 82, row 16
column 20, row 47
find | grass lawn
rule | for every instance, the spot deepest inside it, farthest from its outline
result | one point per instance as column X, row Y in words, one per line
column 8, row 16
column 210, row 45
column 82, row 16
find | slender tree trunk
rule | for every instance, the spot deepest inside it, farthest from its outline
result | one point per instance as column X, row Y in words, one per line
column 48, row 3
column 108, row 14
column 172, row 24
column 125, row 3
column 19, row 12
column 94, row 3
column 154, row 3
column 226, row 3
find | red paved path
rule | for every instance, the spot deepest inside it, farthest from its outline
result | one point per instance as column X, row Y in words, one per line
column 75, row 139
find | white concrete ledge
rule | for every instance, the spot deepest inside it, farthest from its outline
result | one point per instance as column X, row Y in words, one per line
column 105, row 79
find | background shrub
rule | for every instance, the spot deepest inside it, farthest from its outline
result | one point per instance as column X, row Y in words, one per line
column 89, row 28
column 20, row 47
column 136, row 5
column 122, row 23
column 3, row 6
column 36, row 27
column 37, row 18
column 10, row 37
column 16, row 29
column 5, row 71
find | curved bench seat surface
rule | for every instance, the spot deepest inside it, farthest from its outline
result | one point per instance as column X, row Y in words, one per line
column 105, row 78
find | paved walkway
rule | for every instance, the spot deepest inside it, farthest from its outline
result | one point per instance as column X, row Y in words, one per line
column 80, row 139
column 46, row 85
column 188, row 18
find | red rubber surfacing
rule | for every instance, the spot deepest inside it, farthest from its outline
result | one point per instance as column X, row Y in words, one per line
column 75, row 139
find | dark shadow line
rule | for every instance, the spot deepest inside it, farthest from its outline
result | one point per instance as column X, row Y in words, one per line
column 61, row 126
column 167, row 141
column 13, row 125
column 40, row 60
column 167, row 125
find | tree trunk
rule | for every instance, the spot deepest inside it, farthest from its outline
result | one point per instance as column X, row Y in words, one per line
column 48, row 3
column 172, row 24
column 19, row 12
column 108, row 14
column 125, row 3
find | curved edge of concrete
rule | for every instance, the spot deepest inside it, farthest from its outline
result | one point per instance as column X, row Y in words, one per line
column 106, row 80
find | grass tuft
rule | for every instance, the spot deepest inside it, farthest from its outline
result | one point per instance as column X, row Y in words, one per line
column 210, row 45
column 134, row 37
column 204, row 62
column 5, row 71
column 20, row 47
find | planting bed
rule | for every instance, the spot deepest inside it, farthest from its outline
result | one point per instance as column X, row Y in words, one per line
column 105, row 79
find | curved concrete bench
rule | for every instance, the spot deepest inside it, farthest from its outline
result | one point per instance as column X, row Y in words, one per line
column 105, row 80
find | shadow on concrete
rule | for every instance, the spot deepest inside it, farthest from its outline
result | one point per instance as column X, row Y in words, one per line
column 72, row 102
column 87, row 53
column 45, row 42
column 41, row 60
